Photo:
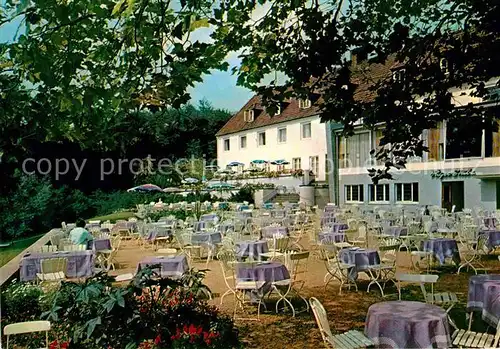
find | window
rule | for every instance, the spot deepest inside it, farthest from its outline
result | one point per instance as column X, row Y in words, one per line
column 354, row 151
column 354, row 193
column 248, row 115
column 306, row 130
column 407, row 192
column 399, row 76
column 282, row 135
column 463, row 139
column 243, row 142
column 262, row 138
column 304, row 103
column 296, row 163
column 226, row 145
column 314, row 164
column 379, row 192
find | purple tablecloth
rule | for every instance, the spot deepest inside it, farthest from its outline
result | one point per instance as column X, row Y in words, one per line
column 335, row 227
column 199, row 226
column 99, row 244
column 443, row 248
column 484, row 296
column 243, row 214
column 251, row 249
column 80, row 264
column 124, row 226
column 490, row 222
column 170, row 266
column 267, row 271
column 270, row 232
column 327, row 220
column 331, row 237
column 206, row 238
column 158, row 231
column 493, row 239
column 403, row 324
column 362, row 258
column 210, row 217
column 395, row 231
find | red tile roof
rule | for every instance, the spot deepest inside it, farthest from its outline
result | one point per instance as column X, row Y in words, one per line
column 365, row 76
column 290, row 112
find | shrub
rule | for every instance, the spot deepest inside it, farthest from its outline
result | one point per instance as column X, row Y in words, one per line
column 148, row 312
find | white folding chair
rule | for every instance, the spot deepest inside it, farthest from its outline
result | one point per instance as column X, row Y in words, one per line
column 28, row 327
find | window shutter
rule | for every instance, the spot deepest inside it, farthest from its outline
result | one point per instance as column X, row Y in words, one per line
column 433, row 143
column 341, row 152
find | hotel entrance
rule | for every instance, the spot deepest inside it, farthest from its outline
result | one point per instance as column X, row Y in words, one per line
column 453, row 194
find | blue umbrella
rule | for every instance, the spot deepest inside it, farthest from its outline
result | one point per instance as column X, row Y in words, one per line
column 280, row 162
column 146, row 188
column 235, row 163
column 190, row 180
column 220, row 185
column 259, row 162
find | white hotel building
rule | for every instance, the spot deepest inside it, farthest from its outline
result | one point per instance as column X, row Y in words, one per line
column 294, row 134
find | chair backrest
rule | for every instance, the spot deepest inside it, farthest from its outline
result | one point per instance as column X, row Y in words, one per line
column 47, row 249
column 321, row 319
column 27, row 327
column 281, row 244
column 54, row 265
column 420, row 279
column 298, row 264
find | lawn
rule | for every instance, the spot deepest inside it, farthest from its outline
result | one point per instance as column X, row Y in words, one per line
column 7, row 253
column 114, row 216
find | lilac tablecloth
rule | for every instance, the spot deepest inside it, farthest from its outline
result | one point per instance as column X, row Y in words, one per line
column 490, row 222
column 484, row 296
column 331, row 237
column 80, row 264
column 403, row 324
column 199, row 226
column 99, row 244
column 210, row 217
column 170, row 266
column 124, row 226
column 443, row 248
column 270, row 232
column 158, row 231
column 493, row 239
column 335, row 227
column 395, row 231
column 206, row 238
column 243, row 214
column 362, row 258
column 267, row 271
column 251, row 249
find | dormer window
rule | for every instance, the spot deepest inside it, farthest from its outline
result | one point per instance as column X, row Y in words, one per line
column 444, row 65
column 304, row 103
column 399, row 76
column 248, row 115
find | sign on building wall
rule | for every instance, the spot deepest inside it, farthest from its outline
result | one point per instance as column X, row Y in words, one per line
column 454, row 174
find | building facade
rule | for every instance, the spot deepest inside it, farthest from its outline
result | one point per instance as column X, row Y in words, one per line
column 294, row 136
column 461, row 169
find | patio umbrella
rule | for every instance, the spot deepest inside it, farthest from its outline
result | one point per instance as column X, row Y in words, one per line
column 190, row 180
column 280, row 162
column 145, row 188
column 172, row 190
column 220, row 185
column 259, row 162
column 235, row 163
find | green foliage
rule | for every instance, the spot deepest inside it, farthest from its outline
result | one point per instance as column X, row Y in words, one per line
column 244, row 194
column 97, row 314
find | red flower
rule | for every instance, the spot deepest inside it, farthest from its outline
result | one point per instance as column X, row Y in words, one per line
column 157, row 340
column 64, row 345
column 54, row 345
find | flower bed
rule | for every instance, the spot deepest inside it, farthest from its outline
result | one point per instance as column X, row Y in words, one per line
column 147, row 313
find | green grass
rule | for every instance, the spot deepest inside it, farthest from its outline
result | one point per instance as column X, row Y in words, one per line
column 114, row 216
column 7, row 253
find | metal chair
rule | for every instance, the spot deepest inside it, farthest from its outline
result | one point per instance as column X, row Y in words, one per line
column 28, row 327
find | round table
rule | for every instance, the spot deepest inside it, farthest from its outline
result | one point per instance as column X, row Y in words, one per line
column 404, row 324
column 272, row 232
column 493, row 238
column 442, row 248
column 206, row 238
column 484, row 296
column 361, row 258
column 332, row 237
column 251, row 249
column 395, row 231
column 266, row 271
column 99, row 244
